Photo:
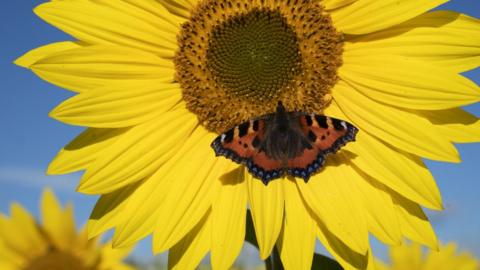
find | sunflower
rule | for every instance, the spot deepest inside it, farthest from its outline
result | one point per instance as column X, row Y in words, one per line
column 411, row 256
column 28, row 245
column 157, row 81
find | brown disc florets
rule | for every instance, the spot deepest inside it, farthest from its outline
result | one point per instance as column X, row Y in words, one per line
column 237, row 59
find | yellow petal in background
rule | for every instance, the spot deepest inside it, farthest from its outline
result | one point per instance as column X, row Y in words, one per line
column 444, row 38
column 266, row 205
column 37, row 54
column 455, row 124
column 58, row 223
column 228, row 218
column 406, row 82
column 189, row 251
column 91, row 67
column 408, row 256
column 116, row 107
column 143, row 207
column 28, row 228
column 97, row 23
column 330, row 198
column 296, row 244
column 83, row 150
column 367, row 16
column 413, row 222
column 139, row 152
column 402, row 129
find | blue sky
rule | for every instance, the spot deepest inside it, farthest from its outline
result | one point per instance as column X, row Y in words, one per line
column 29, row 139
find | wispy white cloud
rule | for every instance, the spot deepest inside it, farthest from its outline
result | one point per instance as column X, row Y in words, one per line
column 36, row 178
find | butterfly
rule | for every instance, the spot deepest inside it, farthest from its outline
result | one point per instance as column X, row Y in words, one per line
column 293, row 143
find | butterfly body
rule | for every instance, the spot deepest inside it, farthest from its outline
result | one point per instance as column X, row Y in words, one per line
column 293, row 143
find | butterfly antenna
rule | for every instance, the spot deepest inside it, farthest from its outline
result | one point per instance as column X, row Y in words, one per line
column 280, row 107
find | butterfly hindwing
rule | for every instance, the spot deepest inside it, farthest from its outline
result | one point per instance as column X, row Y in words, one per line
column 326, row 135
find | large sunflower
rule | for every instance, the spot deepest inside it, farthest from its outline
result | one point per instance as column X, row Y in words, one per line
column 157, row 81
column 411, row 256
column 26, row 244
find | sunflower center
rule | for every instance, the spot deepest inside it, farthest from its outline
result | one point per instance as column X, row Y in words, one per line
column 254, row 55
column 56, row 259
column 237, row 59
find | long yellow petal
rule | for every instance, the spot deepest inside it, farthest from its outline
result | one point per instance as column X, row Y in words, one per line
column 39, row 53
column 367, row 16
column 108, row 211
column 333, row 4
column 189, row 197
column 406, row 82
column 97, row 23
column 91, row 67
column 343, row 254
column 189, row 251
column 456, row 124
column 414, row 223
column 407, row 256
column 229, row 218
column 402, row 172
column 329, row 195
column 138, row 153
column 83, row 150
column 144, row 203
column 266, row 207
column 376, row 204
column 180, row 8
column 444, row 38
column 296, row 243
column 58, row 224
column 121, row 106
column 399, row 128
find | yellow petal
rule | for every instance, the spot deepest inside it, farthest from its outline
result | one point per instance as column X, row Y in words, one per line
column 112, row 257
column 266, row 205
column 444, row 38
column 189, row 197
column 83, row 150
column 413, row 222
column 407, row 256
column 402, row 172
column 180, row 8
column 115, row 107
column 376, row 204
column 97, row 23
column 108, row 211
column 399, row 128
column 144, row 203
column 296, row 243
column 37, row 54
column 406, row 82
column 189, row 251
column 91, row 67
column 333, row 4
column 455, row 124
column 367, row 16
column 229, row 218
column 330, row 196
column 28, row 228
column 343, row 254
column 57, row 223
column 14, row 241
column 139, row 152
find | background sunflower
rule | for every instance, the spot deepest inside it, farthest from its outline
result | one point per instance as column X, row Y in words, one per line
column 60, row 38
column 53, row 243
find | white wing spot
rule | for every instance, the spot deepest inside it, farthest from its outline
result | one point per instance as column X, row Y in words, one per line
column 222, row 137
column 344, row 125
